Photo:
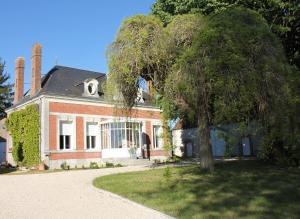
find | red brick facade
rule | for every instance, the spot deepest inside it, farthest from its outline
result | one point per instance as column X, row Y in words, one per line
column 52, row 132
column 79, row 133
column 74, row 155
column 78, row 110
column 99, row 110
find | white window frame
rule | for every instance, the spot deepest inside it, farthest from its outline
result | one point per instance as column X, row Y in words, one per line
column 86, row 121
column 153, row 137
column 72, row 120
column 110, row 121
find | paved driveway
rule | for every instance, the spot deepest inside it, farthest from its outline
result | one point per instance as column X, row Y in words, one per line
column 66, row 195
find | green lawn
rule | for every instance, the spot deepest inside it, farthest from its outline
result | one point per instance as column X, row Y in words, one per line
column 237, row 189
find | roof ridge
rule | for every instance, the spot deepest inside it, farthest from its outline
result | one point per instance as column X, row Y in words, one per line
column 63, row 66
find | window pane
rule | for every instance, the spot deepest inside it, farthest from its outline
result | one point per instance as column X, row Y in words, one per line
column 129, row 137
column 104, row 136
column 61, row 142
column 157, row 136
column 118, row 138
column 88, row 142
column 112, row 138
column 137, row 138
column 124, row 141
column 93, row 142
column 67, row 142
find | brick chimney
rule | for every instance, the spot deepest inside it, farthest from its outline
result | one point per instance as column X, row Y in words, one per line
column 36, row 69
column 19, row 79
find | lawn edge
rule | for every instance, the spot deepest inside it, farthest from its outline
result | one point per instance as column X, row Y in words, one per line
column 126, row 200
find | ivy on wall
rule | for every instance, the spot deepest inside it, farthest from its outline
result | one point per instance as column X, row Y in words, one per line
column 24, row 127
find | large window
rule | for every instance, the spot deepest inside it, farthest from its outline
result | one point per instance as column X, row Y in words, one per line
column 120, row 135
column 91, row 135
column 157, row 136
column 65, row 136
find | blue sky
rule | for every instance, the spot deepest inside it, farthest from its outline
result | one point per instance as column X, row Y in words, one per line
column 73, row 33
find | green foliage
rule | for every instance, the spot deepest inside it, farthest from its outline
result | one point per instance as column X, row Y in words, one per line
column 5, row 90
column 128, row 59
column 235, row 71
column 65, row 166
column 108, row 164
column 118, row 165
column 24, row 127
column 226, row 82
column 224, row 68
column 283, row 16
column 94, row 165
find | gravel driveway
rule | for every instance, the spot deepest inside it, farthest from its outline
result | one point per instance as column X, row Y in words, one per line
column 66, row 195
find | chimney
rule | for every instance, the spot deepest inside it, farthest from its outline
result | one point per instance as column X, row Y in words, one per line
column 19, row 79
column 36, row 69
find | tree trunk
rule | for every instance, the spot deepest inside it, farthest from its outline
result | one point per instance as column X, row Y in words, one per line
column 205, row 151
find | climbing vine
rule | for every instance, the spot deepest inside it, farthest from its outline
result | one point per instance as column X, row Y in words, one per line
column 24, row 127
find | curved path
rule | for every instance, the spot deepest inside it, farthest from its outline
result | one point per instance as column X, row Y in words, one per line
column 67, row 195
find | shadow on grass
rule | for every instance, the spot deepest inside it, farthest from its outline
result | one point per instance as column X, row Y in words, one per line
column 235, row 190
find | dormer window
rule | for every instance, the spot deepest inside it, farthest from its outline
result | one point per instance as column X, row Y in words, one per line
column 91, row 88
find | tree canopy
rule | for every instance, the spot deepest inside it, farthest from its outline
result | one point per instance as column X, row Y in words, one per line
column 283, row 17
column 201, row 66
column 5, row 90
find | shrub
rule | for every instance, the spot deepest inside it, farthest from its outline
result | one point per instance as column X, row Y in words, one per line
column 157, row 161
column 108, row 164
column 118, row 165
column 65, row 166
column 94, row 165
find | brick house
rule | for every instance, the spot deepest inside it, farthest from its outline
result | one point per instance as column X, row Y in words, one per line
column 77, row 124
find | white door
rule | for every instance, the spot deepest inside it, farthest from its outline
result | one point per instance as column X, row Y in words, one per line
column 2, row 151
column 246, row 147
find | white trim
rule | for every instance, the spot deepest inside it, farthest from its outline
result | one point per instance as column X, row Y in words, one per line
column 153, row 141
column 78, row 100
column 69, row 151
column 110, row 121
column 72, row 119
column 158, row 121
column 93, row 102
column 42, row 129
column 23, row 105
column 85, row 123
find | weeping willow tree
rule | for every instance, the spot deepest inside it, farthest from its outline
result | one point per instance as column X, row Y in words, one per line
column 144, row 49
column 225, row 68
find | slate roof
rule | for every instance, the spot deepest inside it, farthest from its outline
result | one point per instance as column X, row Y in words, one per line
column 68, row 82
